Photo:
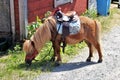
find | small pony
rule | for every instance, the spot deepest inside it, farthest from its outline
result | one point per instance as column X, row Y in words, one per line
column 89, row 32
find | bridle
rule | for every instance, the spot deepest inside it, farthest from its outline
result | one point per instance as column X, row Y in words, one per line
column 35, row 52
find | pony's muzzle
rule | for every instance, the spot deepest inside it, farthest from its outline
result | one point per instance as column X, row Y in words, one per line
column 28, row 59
column 28, row 62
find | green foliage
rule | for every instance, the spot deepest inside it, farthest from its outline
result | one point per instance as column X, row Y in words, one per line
column 11, row 62
column 16, row 49
column 34, row 26
column 73, row 49
column 47, row 14
column 90, row 13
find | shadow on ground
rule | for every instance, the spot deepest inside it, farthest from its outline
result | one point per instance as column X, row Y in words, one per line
column 50, row 66
column 72, row 66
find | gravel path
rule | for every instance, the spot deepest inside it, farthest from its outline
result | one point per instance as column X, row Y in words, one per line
column 78, row 69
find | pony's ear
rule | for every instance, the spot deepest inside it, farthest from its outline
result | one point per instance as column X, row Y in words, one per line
column 32, row 43
column 24, row 40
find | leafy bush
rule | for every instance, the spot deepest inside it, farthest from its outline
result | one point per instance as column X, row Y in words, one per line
column 33, row 27
column 90, row 13
column 16, row 49
column 47, row 14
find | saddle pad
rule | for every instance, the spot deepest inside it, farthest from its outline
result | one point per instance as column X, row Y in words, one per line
column 74, row 26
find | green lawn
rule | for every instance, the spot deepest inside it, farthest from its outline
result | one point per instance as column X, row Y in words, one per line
column 12, row 66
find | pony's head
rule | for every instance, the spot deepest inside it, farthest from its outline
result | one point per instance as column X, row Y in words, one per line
column 38, row 39
column 30, row 51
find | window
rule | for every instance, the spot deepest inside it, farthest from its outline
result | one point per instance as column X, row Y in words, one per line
column 60, row 2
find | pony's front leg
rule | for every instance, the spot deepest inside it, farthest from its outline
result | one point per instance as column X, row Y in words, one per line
column 57, row 56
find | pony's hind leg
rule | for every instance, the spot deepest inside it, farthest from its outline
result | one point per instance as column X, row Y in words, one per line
column 98, row 47
column 90, row 51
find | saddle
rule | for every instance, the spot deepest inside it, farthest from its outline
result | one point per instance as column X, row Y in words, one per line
column 65, row 21
column 68, row 17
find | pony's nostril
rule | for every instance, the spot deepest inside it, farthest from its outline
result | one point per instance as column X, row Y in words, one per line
column 28, row 62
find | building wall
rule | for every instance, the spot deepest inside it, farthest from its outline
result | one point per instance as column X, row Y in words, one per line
column 5, row 21
column 17, row 23
column 39, row 7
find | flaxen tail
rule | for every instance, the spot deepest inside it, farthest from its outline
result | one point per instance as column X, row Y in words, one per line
column 98, row 31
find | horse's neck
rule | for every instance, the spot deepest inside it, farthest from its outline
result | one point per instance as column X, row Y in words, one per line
column 41, row 36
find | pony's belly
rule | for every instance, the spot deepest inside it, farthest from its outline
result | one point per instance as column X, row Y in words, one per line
column 72, row 41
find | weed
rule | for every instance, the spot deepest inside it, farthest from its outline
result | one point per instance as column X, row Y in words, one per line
column 47, row 14
column 33, row 27
column 90, row 13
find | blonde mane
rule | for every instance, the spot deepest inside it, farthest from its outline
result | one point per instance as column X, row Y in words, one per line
column 41, row 36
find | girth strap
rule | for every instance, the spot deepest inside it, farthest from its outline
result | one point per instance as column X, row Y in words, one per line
column 65, row 33
column 63, row 45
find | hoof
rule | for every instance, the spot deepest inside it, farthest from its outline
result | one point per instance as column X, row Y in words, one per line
column 88, row 60
column 57, row 63
column 100, row 61
column 28, row 62
column 52, row 59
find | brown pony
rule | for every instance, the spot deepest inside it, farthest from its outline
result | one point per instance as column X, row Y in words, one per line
column 89, row 32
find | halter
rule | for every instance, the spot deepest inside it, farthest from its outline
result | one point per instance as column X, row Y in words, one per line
column 32, row 56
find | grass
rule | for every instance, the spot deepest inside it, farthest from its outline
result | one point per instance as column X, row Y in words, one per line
column 12, row 66
column 110, row 21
